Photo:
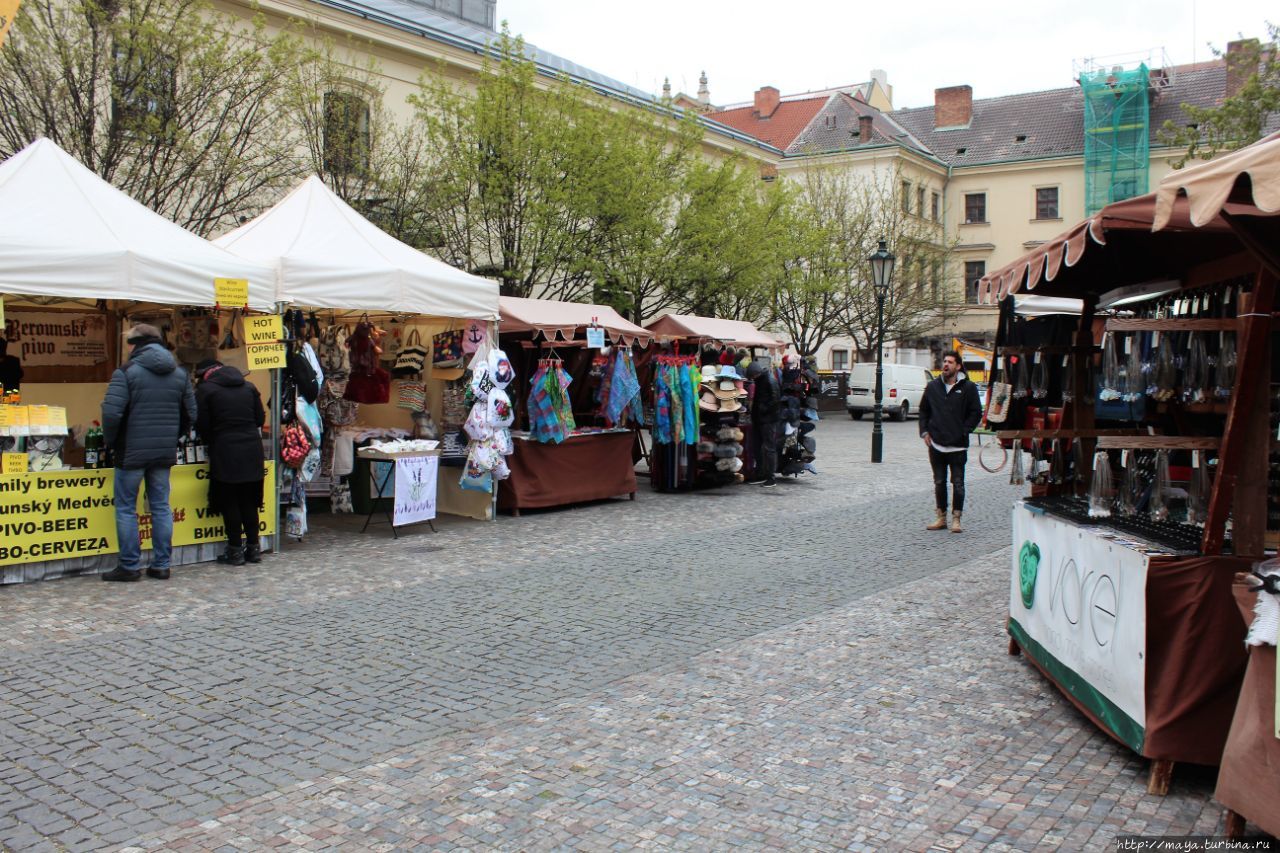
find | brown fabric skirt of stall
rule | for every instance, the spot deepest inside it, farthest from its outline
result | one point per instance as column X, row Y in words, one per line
column 582, row 468
column 1249, row 781
column 1195, row 658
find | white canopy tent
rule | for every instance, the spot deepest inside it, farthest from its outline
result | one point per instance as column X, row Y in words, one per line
column 65, row 233
column 327, row 255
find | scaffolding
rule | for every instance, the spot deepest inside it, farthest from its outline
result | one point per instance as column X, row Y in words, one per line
column 1117, row 117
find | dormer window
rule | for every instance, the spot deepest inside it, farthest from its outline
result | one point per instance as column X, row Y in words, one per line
column 1021, row 137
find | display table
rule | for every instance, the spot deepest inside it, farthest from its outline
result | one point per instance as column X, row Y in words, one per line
column 1249, row 781
column 60, row 523
column 1149, row 647
column 584, row 467
column 411, row 477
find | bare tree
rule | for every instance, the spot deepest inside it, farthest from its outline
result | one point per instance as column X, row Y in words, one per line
column 177, row 105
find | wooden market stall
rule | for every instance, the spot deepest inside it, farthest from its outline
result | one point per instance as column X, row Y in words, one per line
column 342, row 270
column 1243, row 189
column 1124, row 600
column 682, row 340
column 590, row 462
column 78, row 260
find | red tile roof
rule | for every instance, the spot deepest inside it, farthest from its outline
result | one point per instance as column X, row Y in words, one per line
column 780, row 129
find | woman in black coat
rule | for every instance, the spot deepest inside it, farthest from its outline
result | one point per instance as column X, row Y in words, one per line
column 229, row 417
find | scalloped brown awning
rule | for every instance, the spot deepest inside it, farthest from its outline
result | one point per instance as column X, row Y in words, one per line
column 1245, row 182
column 1089, row 246
column 561, row 320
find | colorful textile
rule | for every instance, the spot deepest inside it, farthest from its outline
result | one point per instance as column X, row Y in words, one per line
column 689, row 398
column 550, row 411
column 662, row 406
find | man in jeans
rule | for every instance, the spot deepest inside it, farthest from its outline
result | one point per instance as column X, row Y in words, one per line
column 149, row 404
column 949, row 411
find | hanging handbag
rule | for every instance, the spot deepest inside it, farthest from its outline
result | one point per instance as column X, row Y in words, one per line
column 194, row 337
column 412, row 357
column 294, row 445
column 412, row 395
column 369, row 383
column 231, row 351
column 446, row 349
column 998, row 404
column 392, row 341
column 340, row 498
column 333, row 354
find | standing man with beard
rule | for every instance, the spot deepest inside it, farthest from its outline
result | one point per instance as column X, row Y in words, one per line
column 149, row 404
column 949, row 411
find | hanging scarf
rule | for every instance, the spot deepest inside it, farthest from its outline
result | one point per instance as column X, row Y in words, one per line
column 691, row 412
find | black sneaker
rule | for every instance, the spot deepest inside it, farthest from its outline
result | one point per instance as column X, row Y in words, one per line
column 119, row 574
column 769, row 483
column 252, row 554
column 158, row 574
column 232, row 557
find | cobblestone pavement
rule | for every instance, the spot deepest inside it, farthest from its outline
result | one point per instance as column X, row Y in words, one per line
column 803, row 668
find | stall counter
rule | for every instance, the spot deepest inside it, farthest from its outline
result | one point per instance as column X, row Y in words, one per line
column 58, row 523
column 1149, row 647
column 584, row 467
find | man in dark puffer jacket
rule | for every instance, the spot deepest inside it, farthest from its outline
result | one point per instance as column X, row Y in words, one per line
column 149, row 404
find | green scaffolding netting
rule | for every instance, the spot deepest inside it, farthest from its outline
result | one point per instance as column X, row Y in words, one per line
column 1117, row 116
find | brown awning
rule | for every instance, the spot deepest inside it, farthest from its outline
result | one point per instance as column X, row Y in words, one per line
column 1113, row 247
column 737, row 332
column 562, row 320
column 1246, row 182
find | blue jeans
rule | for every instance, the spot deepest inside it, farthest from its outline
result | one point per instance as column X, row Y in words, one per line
column 127, row 482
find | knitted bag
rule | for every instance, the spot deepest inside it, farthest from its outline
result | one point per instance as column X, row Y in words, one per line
column 412, row 357
column 412, row 396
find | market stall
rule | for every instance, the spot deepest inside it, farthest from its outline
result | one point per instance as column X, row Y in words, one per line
column 79, row 260
column 577, row 403
column 1129, row 423
column 389, row 329
column 1243, row 189
column 711, row 444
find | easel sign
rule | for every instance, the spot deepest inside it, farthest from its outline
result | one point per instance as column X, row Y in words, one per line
column 595, row 335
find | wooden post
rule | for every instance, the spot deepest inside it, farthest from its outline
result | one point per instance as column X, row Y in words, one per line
column 1160, row 776
column 1250, row 391
column 1082, row 413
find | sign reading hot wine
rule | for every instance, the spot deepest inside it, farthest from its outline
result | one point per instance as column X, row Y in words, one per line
column 61, row 514
column 1077, row 606
column 57, row 339
column 262, row 340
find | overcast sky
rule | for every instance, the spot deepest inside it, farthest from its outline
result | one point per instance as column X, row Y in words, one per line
column 999, row 48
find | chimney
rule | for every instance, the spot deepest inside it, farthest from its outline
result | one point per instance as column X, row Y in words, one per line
column 864, row 128
column 767, row 100
column 952, row 106
column 1242, row 61
column 704, row 94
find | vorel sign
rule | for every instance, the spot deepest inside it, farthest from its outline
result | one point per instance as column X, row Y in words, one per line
column 263, row 336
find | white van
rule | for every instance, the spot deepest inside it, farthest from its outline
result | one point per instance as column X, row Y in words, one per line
column 903, row 389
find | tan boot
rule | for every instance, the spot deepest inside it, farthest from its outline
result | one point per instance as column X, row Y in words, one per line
column 939, row 521
column 955, row 522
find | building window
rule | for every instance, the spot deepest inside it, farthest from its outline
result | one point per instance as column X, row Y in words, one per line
column 973, row 273
column 145, row 95
column 1047, row 203
column 906, row 197
column 975, row 207
column 935, row 208
column 920, row 201
column 839, row 359
column 346, row 133
column 936, row 279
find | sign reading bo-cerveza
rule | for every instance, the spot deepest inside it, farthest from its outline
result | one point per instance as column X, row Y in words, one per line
column 60, row 514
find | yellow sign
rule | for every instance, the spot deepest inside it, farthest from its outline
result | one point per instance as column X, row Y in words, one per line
column 8, row 11
column 61, row 514
column 14, row 463
column 38, row 419
column 57, row 420
column 6, row 418
column 229, row 292
column 265, row 356
column 19, row 420
column 264, row 329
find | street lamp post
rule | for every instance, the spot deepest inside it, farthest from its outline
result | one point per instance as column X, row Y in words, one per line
column 881, row 274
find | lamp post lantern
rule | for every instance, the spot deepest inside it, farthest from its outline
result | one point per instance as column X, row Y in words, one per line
column 881, row 262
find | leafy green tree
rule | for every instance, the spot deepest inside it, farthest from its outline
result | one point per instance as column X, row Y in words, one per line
column 173, row 103
column 1243, row 117
column 503, row 174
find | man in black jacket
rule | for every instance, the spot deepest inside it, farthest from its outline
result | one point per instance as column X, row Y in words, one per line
column 949, row 411
column 149, row 404
column 765, row 407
